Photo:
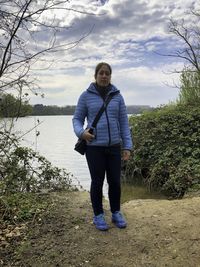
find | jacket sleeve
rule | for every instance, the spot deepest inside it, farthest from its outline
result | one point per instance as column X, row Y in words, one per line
column 124, row 127
column 79, row 115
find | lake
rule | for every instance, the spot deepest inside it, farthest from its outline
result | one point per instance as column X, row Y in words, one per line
column 56, row 141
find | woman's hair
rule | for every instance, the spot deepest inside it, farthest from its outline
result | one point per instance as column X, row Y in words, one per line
column 98, row 67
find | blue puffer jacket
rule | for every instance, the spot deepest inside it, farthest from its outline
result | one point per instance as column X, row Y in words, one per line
column 112, row 128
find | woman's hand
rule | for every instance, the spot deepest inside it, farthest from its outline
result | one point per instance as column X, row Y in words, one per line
column 87, row 136
column 126, row 154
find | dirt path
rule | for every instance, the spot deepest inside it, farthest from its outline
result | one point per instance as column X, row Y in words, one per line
column 159, row 233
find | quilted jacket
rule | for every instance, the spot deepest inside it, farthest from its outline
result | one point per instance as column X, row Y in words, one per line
column 112, row 128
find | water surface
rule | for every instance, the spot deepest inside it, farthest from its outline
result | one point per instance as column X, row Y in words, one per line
column 54, row 138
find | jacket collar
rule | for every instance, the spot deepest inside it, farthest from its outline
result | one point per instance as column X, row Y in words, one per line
column 92, row 89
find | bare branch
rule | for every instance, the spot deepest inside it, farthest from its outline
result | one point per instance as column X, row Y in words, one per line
column 8, row 47
column 21, row 23
column 188, row 33
column 191, row 56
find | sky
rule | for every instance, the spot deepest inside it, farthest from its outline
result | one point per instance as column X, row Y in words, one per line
column 130, row 35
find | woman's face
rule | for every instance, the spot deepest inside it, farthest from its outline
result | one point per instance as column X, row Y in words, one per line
column 103, row 76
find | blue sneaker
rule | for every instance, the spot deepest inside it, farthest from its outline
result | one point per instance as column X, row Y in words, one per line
column 100, row 223
column 118, row 219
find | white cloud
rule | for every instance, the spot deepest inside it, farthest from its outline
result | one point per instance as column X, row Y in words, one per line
column 126, row 34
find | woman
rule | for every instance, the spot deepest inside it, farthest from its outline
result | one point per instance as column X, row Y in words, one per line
column 104, row 145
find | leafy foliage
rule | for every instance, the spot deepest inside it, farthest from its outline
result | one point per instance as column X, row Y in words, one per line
column 22, row 207
column 24, row 170
column 190, row 87
column 13, row 107
column 19, row 212
column 25, row 179
column 167, row 148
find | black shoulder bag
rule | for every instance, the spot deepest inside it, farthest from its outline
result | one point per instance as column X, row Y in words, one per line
column 81, row 144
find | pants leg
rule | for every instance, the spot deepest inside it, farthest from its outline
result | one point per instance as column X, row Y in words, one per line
column 96, row 162
column 113, row 172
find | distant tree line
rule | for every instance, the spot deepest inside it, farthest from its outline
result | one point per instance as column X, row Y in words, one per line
column 11, row 106
column 138, row 109
column 40, row 109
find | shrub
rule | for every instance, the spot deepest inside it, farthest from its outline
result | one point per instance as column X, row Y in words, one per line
column 24, row 170
column 167, row 148
column 190, row 87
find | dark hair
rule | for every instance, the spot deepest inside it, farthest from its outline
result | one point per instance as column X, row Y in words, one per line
column 99, row 66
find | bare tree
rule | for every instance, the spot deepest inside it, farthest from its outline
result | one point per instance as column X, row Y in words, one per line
column 188, row 32
column 31, row 31
column 23, row 23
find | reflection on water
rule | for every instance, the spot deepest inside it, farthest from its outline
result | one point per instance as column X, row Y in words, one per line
column 56, row 141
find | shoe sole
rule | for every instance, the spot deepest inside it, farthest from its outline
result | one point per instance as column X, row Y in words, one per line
column 119, row 226
column 101, row 229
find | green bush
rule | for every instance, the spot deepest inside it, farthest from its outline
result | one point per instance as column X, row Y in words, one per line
column 23, row 173
column 167, row 149
column 24, row 170
column 22, row 207
column 190, row 87
column 11, row 106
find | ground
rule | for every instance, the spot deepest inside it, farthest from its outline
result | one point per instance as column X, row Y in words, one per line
column 159, row 233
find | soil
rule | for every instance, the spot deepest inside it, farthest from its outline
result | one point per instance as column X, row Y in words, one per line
column 160, row 233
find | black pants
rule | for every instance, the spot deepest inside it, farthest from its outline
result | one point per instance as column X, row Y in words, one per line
column 101, row 161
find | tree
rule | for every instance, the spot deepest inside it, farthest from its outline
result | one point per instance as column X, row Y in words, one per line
column 190, row 88
column 188, row 32
column 30, row 31
column 23, row 22
column 13, row 107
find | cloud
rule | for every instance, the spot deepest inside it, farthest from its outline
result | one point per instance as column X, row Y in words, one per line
column 129, row 35
column 144, row 85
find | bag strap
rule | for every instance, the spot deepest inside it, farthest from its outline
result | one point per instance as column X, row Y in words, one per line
column 100, row 112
